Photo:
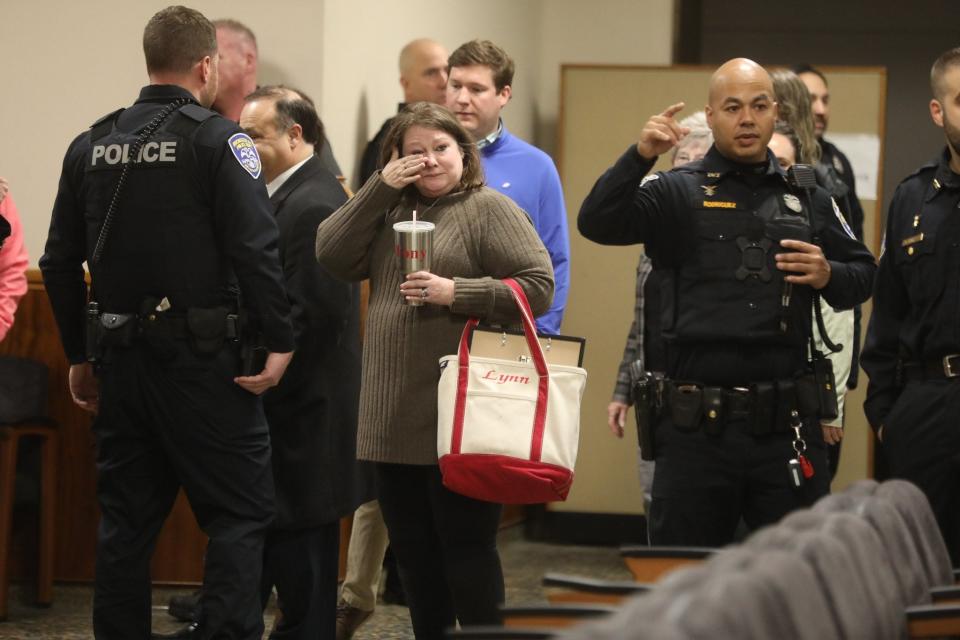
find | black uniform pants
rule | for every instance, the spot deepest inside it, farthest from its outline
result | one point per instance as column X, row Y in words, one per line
column 168, row 422
column 304, row 565
column 446, row 548
column 921, row 441
column 703, row 485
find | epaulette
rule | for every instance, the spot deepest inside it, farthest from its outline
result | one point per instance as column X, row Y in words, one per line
column 104, row 125
column 193, row 117
column 932, row 165
column 196, row 112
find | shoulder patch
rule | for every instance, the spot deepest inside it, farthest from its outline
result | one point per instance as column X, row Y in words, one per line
column 649, row 178
column 843, row 221
column 246, row 154
column 196, row 112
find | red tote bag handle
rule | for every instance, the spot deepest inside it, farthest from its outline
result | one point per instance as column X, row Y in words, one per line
column 540, row 364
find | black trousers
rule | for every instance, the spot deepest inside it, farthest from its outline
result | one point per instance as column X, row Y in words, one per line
column 304, row 565
column 169, row 418
column 703, row 485
column 446, row 548
column 921, row 442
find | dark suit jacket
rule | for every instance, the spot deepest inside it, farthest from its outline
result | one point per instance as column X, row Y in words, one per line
column 313, row 411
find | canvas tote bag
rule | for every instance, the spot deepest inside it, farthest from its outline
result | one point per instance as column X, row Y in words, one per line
column 508, row 431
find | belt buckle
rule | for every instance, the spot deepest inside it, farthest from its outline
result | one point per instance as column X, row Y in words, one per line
column 948, row 367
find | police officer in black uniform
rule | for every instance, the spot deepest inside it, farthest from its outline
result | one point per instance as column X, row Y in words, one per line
column 165, row 202
column 742, row 253
column 912, row 350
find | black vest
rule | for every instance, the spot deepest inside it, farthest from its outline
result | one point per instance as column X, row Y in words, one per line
column 727, row 287
column 162, row 241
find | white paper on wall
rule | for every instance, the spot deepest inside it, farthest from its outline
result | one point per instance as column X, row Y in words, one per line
column 863, row 151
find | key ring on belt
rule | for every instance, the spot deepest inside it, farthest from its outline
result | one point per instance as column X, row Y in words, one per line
column 799, row 444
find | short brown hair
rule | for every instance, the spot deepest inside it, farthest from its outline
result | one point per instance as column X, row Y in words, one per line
column 434, row 116
column 176, row 38
column 485, row 53
column 946, row 60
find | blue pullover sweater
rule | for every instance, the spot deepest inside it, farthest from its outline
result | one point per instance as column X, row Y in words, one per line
column 528, row 176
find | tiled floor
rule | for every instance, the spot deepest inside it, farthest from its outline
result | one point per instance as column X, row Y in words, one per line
column 524, row 563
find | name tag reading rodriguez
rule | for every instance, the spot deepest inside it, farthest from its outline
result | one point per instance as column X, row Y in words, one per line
column 716, row 204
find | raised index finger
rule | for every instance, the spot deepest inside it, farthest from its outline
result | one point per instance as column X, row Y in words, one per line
column 673, row 109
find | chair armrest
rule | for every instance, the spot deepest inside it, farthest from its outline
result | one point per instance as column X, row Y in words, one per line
column 649, row 564
column 943, row 595
column 551, row 616
column 500, row 633
column 933, row 621
column 564, row 588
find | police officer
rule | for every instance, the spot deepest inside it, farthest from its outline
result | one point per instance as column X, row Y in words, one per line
column 912, row 350
column 165, row 202
column 742, row 253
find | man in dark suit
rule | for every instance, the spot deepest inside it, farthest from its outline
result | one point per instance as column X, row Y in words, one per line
column 313, row 416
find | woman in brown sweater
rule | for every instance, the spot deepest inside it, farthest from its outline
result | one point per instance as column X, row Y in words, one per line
column 445, row 543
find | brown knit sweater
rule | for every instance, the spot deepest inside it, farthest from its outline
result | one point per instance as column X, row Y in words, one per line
column 481, row 237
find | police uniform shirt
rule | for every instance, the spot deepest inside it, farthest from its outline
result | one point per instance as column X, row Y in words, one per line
column 192, row 222
column 916, row 310
column 660, row 213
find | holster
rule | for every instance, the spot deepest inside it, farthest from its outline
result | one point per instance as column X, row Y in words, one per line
column 645, row 389
column 253, row 355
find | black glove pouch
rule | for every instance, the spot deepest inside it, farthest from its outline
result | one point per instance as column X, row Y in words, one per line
column 826, row 388
column 686, row 403
column 207, row 329
column 713, row 418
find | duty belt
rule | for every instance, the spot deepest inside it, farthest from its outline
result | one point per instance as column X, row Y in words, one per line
column 761, row 408
column 945, row 368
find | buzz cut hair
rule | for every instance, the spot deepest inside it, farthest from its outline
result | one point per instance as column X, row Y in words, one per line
column 292, row 107
column 237, row 27
column 486, row 53
column 176, row 38
column 939, row 69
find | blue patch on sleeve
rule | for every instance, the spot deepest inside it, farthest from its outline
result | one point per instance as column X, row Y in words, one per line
column 246, row 153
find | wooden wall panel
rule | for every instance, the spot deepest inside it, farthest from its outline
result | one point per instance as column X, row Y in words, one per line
column 179, row 553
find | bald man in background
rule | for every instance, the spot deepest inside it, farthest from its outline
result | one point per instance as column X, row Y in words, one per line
column 239, row 57
column 423, row 77
column 732, row 239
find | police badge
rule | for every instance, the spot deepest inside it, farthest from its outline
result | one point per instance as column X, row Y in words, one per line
column 246, row 153
column 792, row 202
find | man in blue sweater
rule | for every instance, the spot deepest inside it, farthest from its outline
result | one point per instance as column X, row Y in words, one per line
column 477, row 90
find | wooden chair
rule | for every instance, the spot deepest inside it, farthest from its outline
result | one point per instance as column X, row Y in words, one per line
column 10, row 436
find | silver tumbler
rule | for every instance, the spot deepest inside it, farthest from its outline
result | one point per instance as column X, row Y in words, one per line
column 413, row 244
